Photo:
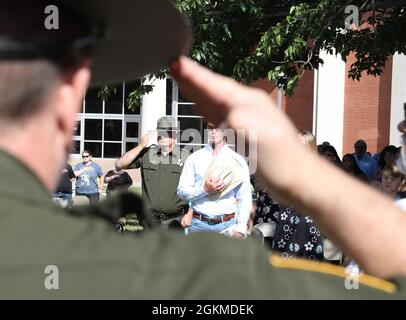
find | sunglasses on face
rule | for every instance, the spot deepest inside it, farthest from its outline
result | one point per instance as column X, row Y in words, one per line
column 85, row 156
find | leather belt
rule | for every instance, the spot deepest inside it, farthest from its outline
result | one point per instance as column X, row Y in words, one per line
column 223, row 218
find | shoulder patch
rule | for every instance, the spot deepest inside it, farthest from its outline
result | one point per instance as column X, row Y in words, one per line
column 330, row 269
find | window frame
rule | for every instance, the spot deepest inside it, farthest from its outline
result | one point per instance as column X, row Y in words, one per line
column 124, row 118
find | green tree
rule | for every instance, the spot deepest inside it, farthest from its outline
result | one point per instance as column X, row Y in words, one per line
column 280, row 39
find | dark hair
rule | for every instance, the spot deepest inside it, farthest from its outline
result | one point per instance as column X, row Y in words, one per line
column 87, row 151
column 388, row 149
column 330, row 148
column 354, row 170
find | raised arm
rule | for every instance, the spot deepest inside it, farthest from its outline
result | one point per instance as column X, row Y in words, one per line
column 364, row 223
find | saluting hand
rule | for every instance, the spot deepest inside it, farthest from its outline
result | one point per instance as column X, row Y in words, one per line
column 145, row 138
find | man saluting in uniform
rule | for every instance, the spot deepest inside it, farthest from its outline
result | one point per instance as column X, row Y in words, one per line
column 161, row 166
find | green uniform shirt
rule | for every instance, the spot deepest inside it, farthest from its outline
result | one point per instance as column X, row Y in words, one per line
column 160, row 178
column 95, row 262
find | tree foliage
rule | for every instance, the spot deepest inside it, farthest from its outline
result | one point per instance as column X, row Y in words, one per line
column 280, row 39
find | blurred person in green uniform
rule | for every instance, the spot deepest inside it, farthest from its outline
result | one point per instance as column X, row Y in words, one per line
column 50, row 253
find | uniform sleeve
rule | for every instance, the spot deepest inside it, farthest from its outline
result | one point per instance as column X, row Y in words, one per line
column 70, row 172
column 400, row 292
column 137, row 163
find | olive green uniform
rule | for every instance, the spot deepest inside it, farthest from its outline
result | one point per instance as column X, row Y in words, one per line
column 95, row 262
column 160, row 178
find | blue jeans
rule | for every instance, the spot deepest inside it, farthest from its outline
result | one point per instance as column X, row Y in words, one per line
column 64, row 196
column 93, row 197
column 204, row 226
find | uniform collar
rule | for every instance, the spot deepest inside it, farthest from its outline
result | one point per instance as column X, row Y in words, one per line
column 174, row 153
column 18, row 181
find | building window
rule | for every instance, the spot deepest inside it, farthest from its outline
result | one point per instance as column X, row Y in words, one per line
column 75, row 147
column 132, row 130
column 130, row 145
column 76, row 130
column 112, row 150
column 169, row 96
column 93, row 104
column 130, row 87
column 107, row 128
column 113, row 130
column 93, row 129
column 114, row 105
column 95, row 148
column 192, row 127
column 77, row 133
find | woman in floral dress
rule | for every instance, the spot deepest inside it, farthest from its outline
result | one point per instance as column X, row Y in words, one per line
column 267, row 209
column 295, row 234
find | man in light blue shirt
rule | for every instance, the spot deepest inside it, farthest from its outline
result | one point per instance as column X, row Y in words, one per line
column 228, row 212
column 366, row 163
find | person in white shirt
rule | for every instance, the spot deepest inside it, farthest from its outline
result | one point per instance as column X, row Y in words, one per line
column 228, row 213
